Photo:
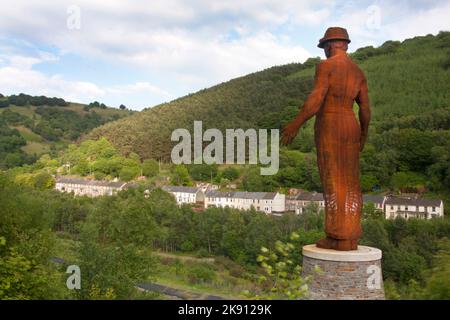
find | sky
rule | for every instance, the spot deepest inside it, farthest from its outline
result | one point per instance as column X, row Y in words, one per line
column 143, row 53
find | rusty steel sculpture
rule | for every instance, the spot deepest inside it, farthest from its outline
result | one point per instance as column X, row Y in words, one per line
column 339, row 138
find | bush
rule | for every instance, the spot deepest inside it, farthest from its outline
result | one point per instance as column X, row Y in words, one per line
column 187, row 246
column 128, row 173
column 202, row 253
column 99, row 175
column 150, row 168
column 200, row 273
column 230, row 173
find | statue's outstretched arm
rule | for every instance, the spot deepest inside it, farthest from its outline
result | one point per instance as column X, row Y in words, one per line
column 312, row 104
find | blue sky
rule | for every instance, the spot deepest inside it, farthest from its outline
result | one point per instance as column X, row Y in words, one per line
column 142, row 53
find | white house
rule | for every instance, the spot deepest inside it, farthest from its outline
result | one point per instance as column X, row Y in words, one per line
column 90, row 188
column 186, row 195
column 269, row 202
column 413, row 208
column 378, row 201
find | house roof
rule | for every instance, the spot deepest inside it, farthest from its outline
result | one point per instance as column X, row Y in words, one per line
column 372, row 198
column 183, row 189
column 413, row 202
column 249, row 195
column 86, row 182
column 241, row 195
column 219, row 194
column 310, row 196
column 270, row 195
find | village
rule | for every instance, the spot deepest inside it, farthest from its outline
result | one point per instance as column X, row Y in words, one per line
column 205, row 195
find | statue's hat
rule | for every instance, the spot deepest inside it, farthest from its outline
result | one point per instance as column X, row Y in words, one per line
column 334, row 33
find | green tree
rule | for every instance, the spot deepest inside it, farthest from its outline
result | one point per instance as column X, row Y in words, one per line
column 115, row 240
column 180, row 176
column 26, row 245
column 129, row 173
column 150, row 168
column 230, row 173
column 203, row 172
column 44, row 180
column 438, row 283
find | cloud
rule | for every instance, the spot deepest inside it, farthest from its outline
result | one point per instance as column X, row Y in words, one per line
column 138, row 87
column 160, row 34
column 372, row 23
column 16, row 79
column 17, row 75
column 424, row 21
column 182, row 46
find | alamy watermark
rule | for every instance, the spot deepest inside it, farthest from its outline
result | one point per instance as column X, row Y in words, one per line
column 235, row 147
column 373, row 21
column 74, row 280
column 73, row 21
column 374, row 279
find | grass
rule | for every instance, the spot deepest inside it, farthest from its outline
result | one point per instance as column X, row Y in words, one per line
column 29, row 135
column 227, row 281
column 28, row 111
column 202, row 290
column 306, row 73
column 37, row 148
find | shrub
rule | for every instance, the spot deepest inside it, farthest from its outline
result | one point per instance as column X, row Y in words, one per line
column 200, row 273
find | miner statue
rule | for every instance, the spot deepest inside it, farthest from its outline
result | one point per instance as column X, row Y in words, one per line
column 339, row 138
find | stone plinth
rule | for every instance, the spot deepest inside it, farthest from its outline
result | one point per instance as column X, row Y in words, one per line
column 343, row 275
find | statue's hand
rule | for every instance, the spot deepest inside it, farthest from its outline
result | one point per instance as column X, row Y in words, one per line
column 289, row 132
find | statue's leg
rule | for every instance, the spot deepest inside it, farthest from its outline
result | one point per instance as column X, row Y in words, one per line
column 338, row 162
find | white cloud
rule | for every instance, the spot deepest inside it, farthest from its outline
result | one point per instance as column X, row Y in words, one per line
column 193, row 43
column 138, row 87
column 17, row 75
column 423, row 22
column 14, row 80
column 397, row 20
column 161, row 34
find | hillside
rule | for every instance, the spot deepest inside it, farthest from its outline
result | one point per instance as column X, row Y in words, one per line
column 405, row 79
column 31, row 126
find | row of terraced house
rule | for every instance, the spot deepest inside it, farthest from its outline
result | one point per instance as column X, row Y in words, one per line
column 277, row 203
column 269, row 202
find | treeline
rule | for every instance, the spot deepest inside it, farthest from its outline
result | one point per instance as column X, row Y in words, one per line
column 112, row 238
column 95, row 104
column 50, row 126
column 22, row 99
column 405, row 79
column 56, row 124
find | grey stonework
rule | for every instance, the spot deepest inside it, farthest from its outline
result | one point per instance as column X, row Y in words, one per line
column 347, row 280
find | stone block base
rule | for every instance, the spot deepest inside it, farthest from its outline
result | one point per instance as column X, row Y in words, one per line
column 343, row 275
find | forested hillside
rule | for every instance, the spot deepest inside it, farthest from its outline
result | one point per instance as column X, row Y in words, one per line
column 409, row 135
column 31, row 126
column 408, row 81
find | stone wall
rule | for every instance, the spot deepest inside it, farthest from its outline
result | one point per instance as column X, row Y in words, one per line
column 344, row 280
